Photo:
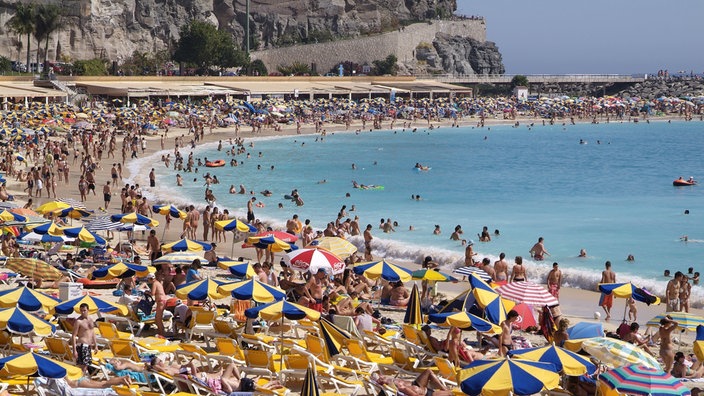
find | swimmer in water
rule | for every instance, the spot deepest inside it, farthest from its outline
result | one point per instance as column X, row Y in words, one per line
column 583, row 253
column 684, row 238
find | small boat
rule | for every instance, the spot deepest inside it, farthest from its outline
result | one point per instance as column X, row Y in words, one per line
column 682, row 182
column 215, row 164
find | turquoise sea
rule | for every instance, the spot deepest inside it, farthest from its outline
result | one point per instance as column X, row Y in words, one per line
column 612, row 196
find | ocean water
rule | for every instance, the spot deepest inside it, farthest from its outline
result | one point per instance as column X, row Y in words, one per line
column 612, row 196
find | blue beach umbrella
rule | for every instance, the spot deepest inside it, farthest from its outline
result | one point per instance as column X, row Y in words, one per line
column 383, row 269
column 121, row 271
column 282, row 308
column 253, row 289
column 30, row 363
column 465, row 320
column 504, row 376
column 240, row 269
column 171, row 210
column 28, row 299
column 585, row 330
column 201, row 290
column 47, row 228
column 186, row 245
column 17, row 320
column 95, row 305
column 565, row 361
column 489, row 300
column 234, row 225
column 47, row 238
column 134, row 218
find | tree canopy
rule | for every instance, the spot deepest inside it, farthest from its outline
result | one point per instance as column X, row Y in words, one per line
column 203, row 45
column 519, row 81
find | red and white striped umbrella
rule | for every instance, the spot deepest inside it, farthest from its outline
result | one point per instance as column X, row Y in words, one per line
column 527, row 292
column 314, row 259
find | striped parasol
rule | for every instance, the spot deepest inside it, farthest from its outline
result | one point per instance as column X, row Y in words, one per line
column 103, row 223
column 467, row 271
column 72, row 202
column 336, row 245
column 33, row 268
column 686, row 321
column 527, row 292
column 617, row 353
column 642, row 381
column 177, row 258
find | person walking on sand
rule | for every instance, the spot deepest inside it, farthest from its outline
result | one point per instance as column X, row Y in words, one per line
column 538, row 252
column 83, row 339
column 555, row 281
column 672, row 293
column 107, row 194
column 606, row 301
column 368, row 243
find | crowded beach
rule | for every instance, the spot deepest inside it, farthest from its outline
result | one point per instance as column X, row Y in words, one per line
column 106, row 292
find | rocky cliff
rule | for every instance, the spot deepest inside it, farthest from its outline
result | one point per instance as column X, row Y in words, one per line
column 115, row 28
column 460, row 55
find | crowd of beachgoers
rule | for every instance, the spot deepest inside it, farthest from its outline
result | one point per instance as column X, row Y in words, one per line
column 62, row 151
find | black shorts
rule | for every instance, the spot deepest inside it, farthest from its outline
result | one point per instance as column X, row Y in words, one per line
column 152, row 183
column 84, row 357
column 91, row 186
column 107, row 197
column 250, row 216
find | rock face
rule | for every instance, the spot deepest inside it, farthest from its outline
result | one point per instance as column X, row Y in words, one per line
column 115, row 28
column 463, row 55
column 656, row 88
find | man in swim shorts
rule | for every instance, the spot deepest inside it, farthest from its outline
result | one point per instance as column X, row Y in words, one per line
column 672, row 292
column 83, row 339
column 606, row 301
column 538, row 252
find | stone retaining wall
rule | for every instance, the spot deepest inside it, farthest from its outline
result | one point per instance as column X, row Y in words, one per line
column 401, row 43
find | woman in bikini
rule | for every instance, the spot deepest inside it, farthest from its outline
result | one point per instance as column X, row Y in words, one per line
column 417, row 387
column 518, row 273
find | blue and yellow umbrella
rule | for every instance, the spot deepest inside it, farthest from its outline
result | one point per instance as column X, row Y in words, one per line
column 626, row 290
column 310, row 384
column 432, row 275
column 171, row 210
column 122, row 270
column 28, row 299
column 95, row 305
column 699, row 343
column 234, row 225
column 495, row 307
column 6, row 215
column 186, row 245
column 17, row 320
column 241, row 269
column 269, row 242
column 84, row 235
column 46, row 228
column 334, row 337
column 74, row 213
column 566, row 362
column 504, row 376
column 282, row 309
column 465, row 321
column 253, row 289
column 642, row 381
column 52, row 206
column 383, row 269
column 201, row 290
column 134, row 218
column 30, row 364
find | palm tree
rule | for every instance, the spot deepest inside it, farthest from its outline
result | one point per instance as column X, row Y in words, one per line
column 23, row 23
column 47, row 20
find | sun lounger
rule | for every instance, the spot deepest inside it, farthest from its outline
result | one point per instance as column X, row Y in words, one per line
column 59, row 387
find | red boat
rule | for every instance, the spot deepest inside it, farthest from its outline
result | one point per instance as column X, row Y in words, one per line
column 681, row 182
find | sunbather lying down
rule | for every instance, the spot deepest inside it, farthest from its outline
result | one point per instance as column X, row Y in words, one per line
column 230, row 380
column 417, row 387
column 85, row 382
